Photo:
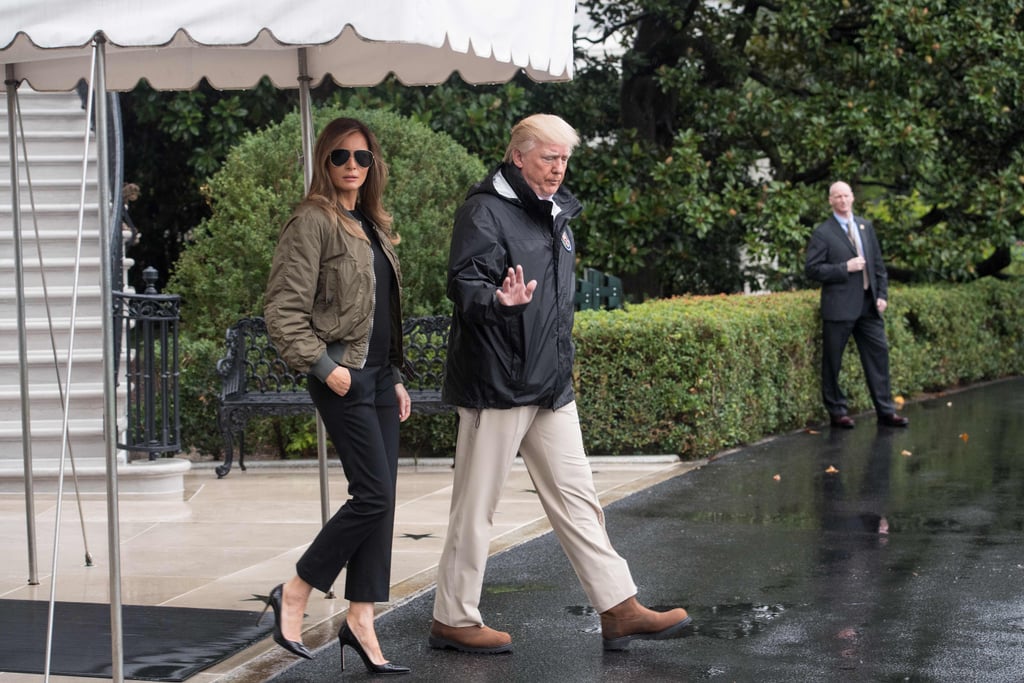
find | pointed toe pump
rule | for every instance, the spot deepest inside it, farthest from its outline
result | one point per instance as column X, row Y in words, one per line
column 293, row 646
column 346, row 637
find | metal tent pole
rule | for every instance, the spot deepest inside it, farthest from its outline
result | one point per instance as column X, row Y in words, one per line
column 19, row 287
column 109, row 364
column 306, row 119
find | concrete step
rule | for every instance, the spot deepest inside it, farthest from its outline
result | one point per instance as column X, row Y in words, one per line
column 59, row 272
column 51, row 217
column 85, row 436
column 60, row 297
column 66, row 166
column 48, row 118
column 30, row 100
column 85, row 402
column 86, row 366
column 69, row 210
column 89, row 331
column 51, row 142
column 161, row 479
column 53, row 243
column 49, row 191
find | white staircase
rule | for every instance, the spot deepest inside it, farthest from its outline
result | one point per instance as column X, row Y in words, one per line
column 54, row 137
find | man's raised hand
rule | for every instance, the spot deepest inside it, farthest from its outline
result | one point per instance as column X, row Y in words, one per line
column 514, row 290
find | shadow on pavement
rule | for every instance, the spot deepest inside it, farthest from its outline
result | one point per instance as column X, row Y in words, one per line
column 905, row 563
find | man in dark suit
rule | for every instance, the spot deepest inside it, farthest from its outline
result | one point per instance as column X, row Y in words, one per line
column 844, row 256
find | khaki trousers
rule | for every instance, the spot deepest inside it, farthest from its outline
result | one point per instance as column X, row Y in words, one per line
column 551, row 445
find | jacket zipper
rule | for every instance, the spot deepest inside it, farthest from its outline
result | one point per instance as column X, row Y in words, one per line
column 373, row 297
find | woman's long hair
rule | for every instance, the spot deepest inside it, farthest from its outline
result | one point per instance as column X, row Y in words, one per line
column 370, row 201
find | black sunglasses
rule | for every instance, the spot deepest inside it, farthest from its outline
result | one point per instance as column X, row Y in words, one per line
column 364, row 157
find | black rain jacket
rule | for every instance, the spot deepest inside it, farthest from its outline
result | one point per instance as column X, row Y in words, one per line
column 509, row 356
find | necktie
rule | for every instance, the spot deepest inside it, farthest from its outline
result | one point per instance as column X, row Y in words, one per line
column 850, row 227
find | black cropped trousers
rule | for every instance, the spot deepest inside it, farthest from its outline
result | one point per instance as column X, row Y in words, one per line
column 363, row 426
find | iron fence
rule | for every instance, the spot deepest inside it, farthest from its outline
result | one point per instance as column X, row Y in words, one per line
column 150, row 324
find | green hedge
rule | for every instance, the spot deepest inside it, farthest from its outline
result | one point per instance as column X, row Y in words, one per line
column 696, row 375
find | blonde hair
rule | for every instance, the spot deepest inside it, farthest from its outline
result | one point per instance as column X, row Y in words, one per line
column 542, row 129
column 323, row 193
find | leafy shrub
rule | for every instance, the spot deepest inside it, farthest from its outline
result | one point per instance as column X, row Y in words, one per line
column 199, row 387
column 695, row 375
column 222, row 274
column 429, row 436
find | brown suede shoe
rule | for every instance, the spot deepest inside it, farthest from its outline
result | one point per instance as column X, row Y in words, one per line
column 629, row 621
column 475, row 639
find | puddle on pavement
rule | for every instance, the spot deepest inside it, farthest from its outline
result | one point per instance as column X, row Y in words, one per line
column 957, row 468
column 859, row 521
column 730, row 622
column 724, row 622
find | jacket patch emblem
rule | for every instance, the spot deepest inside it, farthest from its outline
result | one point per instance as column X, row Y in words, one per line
column 565, row 241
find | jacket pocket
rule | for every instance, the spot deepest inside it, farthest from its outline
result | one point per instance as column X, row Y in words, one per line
column 344, row 298
column 327, row 311
column 516, row 336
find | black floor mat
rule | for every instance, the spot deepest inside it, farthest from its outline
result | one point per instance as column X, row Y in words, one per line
column 159, row 643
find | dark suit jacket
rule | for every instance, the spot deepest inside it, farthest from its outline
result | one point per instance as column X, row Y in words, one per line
column 842, row 292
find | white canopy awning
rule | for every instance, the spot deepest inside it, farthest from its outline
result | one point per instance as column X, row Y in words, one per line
column 233, row 43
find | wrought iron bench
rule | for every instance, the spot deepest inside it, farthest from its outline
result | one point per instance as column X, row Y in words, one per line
column 256, row 381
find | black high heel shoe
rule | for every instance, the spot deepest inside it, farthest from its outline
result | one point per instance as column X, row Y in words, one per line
column 346, row 637
column 293, row 646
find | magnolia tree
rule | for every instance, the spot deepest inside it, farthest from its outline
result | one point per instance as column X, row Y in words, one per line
column 734, row 117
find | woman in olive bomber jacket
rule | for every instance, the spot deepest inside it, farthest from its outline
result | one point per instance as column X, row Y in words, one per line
column 333, row 310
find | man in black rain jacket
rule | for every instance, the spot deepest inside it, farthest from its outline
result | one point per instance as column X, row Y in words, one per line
column 511, row 277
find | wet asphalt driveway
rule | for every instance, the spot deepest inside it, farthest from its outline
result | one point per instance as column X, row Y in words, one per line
column 874, row 554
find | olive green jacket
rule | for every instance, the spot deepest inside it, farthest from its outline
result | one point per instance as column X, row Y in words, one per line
column 321, row 294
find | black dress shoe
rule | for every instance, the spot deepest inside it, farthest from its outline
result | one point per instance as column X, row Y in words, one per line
column 346, row 637
column 893, row 420
column 842, row 421
column 274, row 602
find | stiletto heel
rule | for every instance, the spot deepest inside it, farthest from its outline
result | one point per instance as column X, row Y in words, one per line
column 274, row 602
column 346, row 637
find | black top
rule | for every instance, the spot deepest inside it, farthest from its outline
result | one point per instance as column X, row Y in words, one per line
column 383, row 276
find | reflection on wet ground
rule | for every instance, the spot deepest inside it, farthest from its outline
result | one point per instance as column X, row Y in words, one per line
column 738, row 621
column 874, row 554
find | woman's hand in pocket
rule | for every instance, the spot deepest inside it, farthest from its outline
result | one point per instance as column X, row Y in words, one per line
column 340, row 380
